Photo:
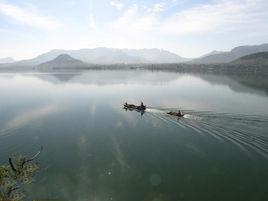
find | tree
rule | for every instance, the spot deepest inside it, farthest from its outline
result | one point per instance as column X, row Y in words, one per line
column 15, row 175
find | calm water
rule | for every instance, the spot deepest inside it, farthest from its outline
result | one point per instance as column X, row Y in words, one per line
column 95, row 150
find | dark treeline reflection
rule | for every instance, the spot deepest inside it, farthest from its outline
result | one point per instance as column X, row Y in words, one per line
column 106, row 77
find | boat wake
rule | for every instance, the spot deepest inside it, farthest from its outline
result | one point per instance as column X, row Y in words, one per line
column 248, row 133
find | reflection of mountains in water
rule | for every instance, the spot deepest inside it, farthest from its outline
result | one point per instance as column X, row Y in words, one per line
column 248, row 133
column 110, row 77
column 248, row 84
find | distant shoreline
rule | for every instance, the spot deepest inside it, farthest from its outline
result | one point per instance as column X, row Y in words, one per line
column 226, row 69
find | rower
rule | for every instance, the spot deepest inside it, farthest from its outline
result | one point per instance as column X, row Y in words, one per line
column 142, row 106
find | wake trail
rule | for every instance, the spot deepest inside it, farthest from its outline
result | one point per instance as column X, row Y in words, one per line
column 246, row 132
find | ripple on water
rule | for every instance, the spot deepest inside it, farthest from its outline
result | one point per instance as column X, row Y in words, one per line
column 248, row 133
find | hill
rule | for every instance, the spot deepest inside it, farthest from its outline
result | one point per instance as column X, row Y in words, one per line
column 63, row 61
column 257, row 59
column 235, row 53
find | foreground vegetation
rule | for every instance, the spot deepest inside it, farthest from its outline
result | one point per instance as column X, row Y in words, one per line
column 15, row 175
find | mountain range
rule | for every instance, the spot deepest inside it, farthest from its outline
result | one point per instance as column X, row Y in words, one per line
column 106, row 56
column 226, row 57
column 109, row 56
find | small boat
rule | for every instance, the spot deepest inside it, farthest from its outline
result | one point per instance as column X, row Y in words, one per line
column 177, row 114
column 135, row 107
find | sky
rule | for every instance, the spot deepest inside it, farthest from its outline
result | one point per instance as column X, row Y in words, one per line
column 189, row 28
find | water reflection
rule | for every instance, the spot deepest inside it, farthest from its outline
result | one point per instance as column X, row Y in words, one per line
column 105, row 77
column 197, row 92
column 24, row 117
column 95, row 150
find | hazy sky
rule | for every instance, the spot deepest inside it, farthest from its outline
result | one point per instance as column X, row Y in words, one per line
column 187, row 27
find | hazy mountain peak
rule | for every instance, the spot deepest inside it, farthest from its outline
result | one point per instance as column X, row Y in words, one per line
column 62, row 61
column 235, row 53
column 6, row 60
column 214, row 52
column 64, row 57
column 247, row 47
column 155, row 55
column 257, row 59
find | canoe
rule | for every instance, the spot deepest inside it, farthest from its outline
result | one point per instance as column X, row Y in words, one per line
column 175, row 114
column 134, row 107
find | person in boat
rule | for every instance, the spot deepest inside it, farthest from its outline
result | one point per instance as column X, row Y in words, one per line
column 142, row 106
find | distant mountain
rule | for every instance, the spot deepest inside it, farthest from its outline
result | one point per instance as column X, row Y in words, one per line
column 214, row 52
column 257, row 59
column 62, row 61
column 109, row 56
column 225, row 57
column 156, row 55
column 6, row 60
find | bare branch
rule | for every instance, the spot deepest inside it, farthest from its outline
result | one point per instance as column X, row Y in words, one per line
column 34, row 157
column 11, row 165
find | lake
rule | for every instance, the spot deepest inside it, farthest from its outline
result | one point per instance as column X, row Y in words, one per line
column 95, row 150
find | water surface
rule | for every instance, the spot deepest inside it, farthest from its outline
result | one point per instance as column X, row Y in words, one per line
column 95, row 150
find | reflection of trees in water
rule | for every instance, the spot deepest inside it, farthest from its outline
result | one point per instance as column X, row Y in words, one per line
column 240, row 82
column 260, row 83
column 110, row 77
column 237, row 82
